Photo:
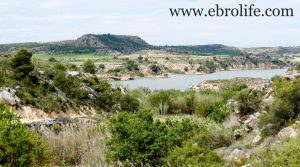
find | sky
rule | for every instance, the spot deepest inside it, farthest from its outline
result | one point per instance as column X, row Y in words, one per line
column 55, row 20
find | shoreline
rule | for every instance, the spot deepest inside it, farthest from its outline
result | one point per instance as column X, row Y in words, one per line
column 160, row 76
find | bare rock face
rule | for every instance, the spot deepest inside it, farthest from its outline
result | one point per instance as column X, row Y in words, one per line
column 287, row 133
column 238, row 155
column 8, row 95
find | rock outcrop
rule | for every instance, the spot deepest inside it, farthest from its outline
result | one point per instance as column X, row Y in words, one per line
column 8, row 95
column 238, row 156
column 287, row 133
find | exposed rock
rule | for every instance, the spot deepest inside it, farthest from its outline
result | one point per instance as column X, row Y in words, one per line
column 89, row 90
column 79, row 74
column 256, row 139
column 287, row 133
column 231, row 121
column 9, row 96
column 251, row 123
column 238, row 133
column 73, row 73
column 238, row 155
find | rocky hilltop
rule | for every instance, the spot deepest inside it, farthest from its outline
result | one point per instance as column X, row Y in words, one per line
column 113, row 44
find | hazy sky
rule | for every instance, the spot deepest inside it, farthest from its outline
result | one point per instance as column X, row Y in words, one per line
column 54, row 20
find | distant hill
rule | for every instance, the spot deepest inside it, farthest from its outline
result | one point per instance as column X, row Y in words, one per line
column 215, row 49
column 125, row 44
column 102, row 44
column 274, row 51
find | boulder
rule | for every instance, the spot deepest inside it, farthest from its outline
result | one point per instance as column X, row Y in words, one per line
column 73, row 73
column 8, row 95
column 287, row 133
column 89, row 90
column 238, row 156
column 252, row 122
column 256, row 139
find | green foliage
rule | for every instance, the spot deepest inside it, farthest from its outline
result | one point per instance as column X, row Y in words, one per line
column 21, row 64
column 18, row 145
column 286, row 154
column 138, row 140
column 215, row 111
column 285, row 107
column 102, row 66
column 231, row 90
column 193, row 156
column 89, row 67
column 131, row 66
column 249, row 101
column 155, row 68
column 129, row 103
column 52, row 59
column 161, row 100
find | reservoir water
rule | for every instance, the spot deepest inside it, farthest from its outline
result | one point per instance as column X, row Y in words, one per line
column 183, row 81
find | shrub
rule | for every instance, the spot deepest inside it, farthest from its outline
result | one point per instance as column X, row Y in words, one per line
column 89, row 67
column 102, row 66
column 131, row 66
column 19, row 146
column 213, row 110
column 193, row 156
column 138, row 140
column 155, row 68
column 285, row 108
column 249, row 101
column 129, row 103
column 52, row 59
column 161, row 100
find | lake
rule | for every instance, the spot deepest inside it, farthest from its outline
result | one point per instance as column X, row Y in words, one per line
column 183, row 81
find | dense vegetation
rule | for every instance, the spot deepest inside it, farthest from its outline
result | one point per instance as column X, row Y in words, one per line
column 50, row 86
column 136, row 127
column 18, row 145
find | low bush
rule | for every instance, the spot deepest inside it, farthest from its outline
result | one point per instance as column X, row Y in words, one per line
column 213, row 110
column 138, row 140
column 18, row 145
column 193, row 156
column 249, row 101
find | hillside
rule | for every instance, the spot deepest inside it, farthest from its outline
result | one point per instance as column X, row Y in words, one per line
column 113, row 44
column 215, row 49
column 98, row 44
column 273, row 51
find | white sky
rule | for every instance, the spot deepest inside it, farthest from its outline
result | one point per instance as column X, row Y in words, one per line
column 54, row 20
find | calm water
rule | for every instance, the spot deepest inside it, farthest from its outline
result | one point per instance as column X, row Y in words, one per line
column 182, row 82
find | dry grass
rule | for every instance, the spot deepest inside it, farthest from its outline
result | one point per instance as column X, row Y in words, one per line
column 78, row 146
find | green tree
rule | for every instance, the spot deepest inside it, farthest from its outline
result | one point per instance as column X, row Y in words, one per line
column 18, row 145
column 155, row 68
column 89, row 66
column 21, row 64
